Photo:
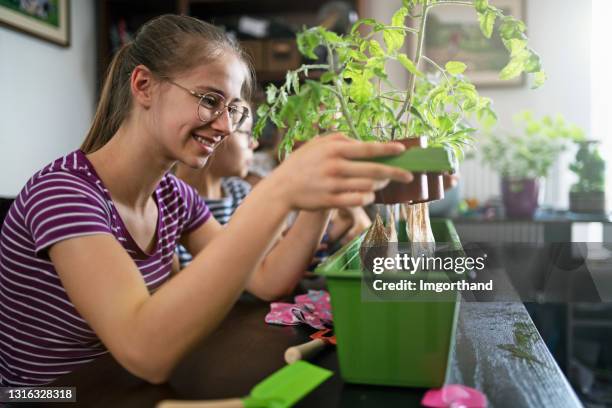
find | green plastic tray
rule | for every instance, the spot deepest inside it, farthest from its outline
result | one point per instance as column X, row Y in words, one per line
column 405, row 343
column 430, row 159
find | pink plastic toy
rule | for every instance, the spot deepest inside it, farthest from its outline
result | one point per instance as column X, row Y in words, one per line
column 454, row 396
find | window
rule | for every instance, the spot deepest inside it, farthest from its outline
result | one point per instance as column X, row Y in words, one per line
column 601, row 84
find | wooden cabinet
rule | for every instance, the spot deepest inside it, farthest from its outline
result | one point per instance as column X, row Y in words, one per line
column 118, row 20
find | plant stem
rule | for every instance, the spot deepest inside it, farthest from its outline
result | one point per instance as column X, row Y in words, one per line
column 314, row 66
column 417, row 58
column 458, row 3
column 345, row 110
column 406, row 29
column 339, row 95
column 432, row 62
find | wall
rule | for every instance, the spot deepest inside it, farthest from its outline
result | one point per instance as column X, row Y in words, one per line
column 47, row 99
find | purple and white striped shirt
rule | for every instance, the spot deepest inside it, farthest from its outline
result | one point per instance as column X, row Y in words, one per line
column 42, row 336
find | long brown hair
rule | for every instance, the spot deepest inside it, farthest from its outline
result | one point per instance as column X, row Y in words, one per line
column 166, row 45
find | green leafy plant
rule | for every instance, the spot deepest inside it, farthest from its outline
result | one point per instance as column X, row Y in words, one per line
column 590, row 168
column 351, row 91
column 532, row 151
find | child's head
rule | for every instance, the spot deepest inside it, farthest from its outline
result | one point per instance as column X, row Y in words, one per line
column 178, row 84
column 235, row 154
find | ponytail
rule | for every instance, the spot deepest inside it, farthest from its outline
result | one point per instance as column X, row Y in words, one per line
column 109, row 115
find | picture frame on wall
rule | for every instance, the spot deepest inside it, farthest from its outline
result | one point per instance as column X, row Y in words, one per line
column 45, row 19
column 453, row 34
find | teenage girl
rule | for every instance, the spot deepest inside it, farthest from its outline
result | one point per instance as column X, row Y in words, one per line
column 87, row 247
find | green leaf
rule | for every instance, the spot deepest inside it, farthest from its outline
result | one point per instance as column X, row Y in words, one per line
column 331, row 37
column 291, row 79
column 455, row 67
column 516, row 65
column 361, row 89
column 375, row 49
column 327, row 77
column 487, row 22
column 374, row 64
column 399, row 16
column 481, row 5
column 271, row 91
column 357, row 55
column 533, row 63
column 515, row 46
column 259, row 126
column 263, row 110
column 307, row 41
column 363, row 21
column 512, row 70
column 409, row 65
column 539, row 79
column 394, row 39
column 511, row 28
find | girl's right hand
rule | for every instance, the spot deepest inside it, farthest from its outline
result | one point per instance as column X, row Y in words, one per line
column 326, row 173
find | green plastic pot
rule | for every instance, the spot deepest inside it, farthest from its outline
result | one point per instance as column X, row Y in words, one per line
column 394, row 343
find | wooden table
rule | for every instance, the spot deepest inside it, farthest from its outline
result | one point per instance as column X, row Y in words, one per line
column 245, row 349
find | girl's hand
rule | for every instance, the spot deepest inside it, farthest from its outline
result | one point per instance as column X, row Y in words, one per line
column 326, row 173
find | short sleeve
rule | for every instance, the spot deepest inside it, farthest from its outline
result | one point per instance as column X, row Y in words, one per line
column 196, row 211
column 62, row 206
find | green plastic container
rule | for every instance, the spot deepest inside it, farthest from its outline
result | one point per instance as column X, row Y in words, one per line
column 429, row 159
column 405, row 343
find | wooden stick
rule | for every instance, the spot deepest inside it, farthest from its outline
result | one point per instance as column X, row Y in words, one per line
column 222, row 403
column 304, row 351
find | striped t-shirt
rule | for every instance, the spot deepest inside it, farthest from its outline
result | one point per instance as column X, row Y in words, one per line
column 42, row 336
column 235, row 190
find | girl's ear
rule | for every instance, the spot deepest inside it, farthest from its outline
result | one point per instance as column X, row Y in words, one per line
column 142, row 85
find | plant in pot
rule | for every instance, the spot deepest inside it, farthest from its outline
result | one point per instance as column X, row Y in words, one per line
column 588, row 194
column 351, row 92
column 523, row 157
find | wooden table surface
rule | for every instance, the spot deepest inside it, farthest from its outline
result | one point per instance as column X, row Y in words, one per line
column 244, row 350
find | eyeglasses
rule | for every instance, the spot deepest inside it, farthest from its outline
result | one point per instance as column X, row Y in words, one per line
column 211, row 105
column 248, row 137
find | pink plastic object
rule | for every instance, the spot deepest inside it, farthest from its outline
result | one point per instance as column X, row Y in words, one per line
column 312, row 308
column 454, row 396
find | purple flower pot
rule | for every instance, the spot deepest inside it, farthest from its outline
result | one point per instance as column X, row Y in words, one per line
column 520, row 197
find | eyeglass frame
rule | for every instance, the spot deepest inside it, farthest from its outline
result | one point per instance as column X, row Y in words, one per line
column 214, row 114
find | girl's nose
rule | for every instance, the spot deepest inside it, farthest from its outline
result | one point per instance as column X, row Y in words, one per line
column 222, row 123
column 253, row 143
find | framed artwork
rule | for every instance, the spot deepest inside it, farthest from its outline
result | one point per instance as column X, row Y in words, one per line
column 453, row 33
column 46, row 19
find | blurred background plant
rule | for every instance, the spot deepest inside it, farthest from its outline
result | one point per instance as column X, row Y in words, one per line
column 530, row 151
column 590, row 168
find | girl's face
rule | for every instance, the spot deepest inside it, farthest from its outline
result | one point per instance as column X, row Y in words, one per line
column 176, row 113
column 236, row 153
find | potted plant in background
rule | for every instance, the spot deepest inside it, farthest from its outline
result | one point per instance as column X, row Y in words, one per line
column 525, row 157
column 351, row 92
column 588, row 194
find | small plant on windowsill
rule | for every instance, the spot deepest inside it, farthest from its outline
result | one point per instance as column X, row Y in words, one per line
column 588, row 194
column 353, row 93
column 524, row 156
